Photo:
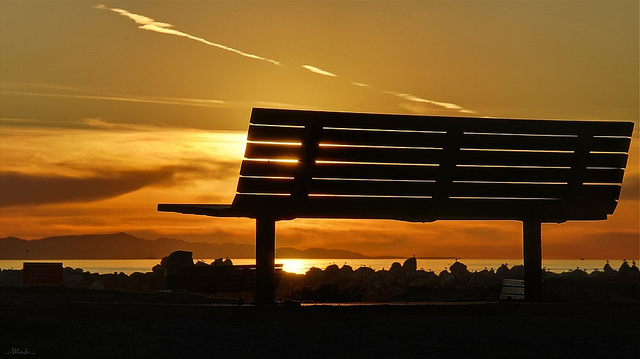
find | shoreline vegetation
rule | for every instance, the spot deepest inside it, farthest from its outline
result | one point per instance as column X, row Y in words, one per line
column 400, row 283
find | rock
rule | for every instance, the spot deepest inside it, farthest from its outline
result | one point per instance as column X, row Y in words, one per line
column 458, row 269
column 12, row 277
column 158, row 269
column 517, row 272
column 73, row 279
column 609, row 271
column 624, row 268
column 446, row 280
column 361, row 274
column 503, row 271
column 314, row 276
column 178, row 259
column 97, row 285
column 410, row 265
column 633, row 272
column 332, row 270
column 396, row 270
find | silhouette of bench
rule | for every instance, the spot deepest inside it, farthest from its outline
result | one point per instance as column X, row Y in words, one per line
column 311, row 164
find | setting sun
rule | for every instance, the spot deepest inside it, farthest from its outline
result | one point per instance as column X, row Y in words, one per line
column 150, row 103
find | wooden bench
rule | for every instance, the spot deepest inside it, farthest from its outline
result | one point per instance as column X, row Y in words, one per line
column 311, row 164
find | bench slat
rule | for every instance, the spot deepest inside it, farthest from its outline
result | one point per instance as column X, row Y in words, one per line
column 611, row 160
column 542, row 159
column 374, row 171
column 418, row 172
column 268, row 168
column 428, row 189
column 420, row 209
column 610, row 144
column 434, row 123
column 380, row 155
column 382, row 138
column 432, row 156
column 422, row 139
column 516, row 174
column 272, row 151
column 515, row 142
column 265, row 185
column 276, row 134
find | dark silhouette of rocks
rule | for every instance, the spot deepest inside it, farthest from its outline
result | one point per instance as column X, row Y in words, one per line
column 403, row 283
column 399, row 283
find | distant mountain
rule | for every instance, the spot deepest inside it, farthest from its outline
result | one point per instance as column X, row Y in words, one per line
column 125, row 246
column 288, row 252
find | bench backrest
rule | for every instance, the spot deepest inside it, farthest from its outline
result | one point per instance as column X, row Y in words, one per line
column 422, row 168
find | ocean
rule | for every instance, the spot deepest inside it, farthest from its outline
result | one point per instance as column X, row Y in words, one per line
column 301, row 266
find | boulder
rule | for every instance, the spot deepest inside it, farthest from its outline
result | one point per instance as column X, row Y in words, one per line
column 396, row 270
column 178, row 259
column 503, row 271
column 624, row 269
column 410, row 265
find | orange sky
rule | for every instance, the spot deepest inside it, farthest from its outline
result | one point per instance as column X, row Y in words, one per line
column 110, row 108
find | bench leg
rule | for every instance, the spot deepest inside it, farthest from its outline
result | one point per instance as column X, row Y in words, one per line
column 532, row 245
column 265, row 260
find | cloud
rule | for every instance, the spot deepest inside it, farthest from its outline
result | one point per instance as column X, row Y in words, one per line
column 147, row 23
column 22, row 189
column 318, row 71
column 139, row 99
column 101, row 124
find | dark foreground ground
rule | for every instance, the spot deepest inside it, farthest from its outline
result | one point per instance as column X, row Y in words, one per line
column 59, row 322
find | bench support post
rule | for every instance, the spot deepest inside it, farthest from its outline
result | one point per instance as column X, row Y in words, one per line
column 532, row 245
column 265, row 260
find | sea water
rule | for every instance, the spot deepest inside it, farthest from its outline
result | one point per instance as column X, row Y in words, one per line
column 302, row 265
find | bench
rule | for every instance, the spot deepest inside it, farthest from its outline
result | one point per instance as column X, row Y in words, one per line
column 312, row 164
column 512, row 289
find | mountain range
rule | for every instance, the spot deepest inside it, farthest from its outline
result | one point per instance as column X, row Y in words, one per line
column 126, row 246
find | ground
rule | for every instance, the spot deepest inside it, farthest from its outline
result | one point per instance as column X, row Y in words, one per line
column 59, row 322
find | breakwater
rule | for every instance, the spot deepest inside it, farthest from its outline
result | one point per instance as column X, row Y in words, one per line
column 401, row 282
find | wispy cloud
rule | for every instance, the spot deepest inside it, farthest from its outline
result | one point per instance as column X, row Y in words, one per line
column 147, row 23
column 140, row 99
column 318, row 71
column 446, row 105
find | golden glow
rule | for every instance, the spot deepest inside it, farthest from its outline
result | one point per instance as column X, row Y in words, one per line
column 98, row 126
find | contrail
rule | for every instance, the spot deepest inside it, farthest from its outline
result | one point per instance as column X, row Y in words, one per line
column 318, row 71
column 147, row 23
column 447, row 105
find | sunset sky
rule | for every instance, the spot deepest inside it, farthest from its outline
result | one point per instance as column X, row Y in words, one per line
column 108, row 108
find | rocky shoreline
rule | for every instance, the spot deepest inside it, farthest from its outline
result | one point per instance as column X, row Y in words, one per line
column 402, row 282
column 410, row 314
